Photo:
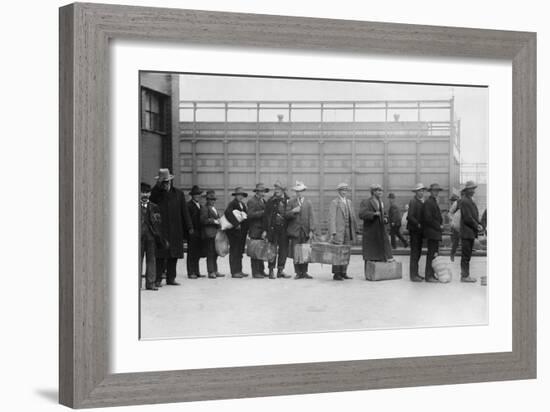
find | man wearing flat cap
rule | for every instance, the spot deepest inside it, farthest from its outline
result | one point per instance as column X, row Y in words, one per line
column 301, row 226
column 376, row 245
column 194, row 243
column 470, row 227
column 256, row 228
column 342, row 225
column 432, row 223
column 275, row 224
column 414, row 226
column 237, row 234
column 175, row 225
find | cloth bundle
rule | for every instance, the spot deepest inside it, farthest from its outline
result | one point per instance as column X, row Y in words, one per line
column 222, row 243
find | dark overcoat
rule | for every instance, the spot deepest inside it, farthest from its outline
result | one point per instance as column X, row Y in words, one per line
column 432, row 219
column 275, row 216
column 256, row 210
column 414, row 216
column 195, row 214
column 175, row 220
column 337, row 220
column 394, row 216
column 300, row 224
column 469, row 218
column 376, row 244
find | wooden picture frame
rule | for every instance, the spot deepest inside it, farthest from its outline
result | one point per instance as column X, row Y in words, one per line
column 85, row 31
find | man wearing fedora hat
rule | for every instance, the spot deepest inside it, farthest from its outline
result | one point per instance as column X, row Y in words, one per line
column 432, row 223
column 256, row 229
column 342, row 225
column 470, row 227
column 414, row 226
column 175, row 225
column 194, row 243
column 275, row 224
column 376, row 245
column 210, row 224
column 301, row 226
column 237, row 234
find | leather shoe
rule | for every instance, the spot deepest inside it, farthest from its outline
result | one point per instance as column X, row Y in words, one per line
column 257, row 276
column 219, row 275
column 299, row 276
column 345, row 276
column 337, row 277
column 244, row 274
column 174, row 283
column 158, row 284
column 431, row 279
column 271, row 274
column 212, row 276
column 416, row 279
column 152, row 288
column 192, row 276
column 468, row 279
column 201, row 276
column 307, row 276
column 236, row 275
column 282, row 274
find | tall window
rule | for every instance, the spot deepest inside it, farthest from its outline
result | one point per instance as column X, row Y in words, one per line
column 153, row 116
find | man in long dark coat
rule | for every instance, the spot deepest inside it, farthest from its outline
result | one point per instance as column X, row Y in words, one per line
column 414, row 226
column 432, row 223
column 194, row 242
column 150, row 232
column 237, row 234
column 376, row 245
column 210, row 224
column 394, row 220
column 256, row 228
column 276, row 225
column 175, row 225
column 470, row 227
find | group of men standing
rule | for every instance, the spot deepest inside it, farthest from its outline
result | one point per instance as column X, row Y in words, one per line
column 167, row 219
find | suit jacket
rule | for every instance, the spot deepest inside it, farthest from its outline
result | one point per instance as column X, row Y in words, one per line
column 469, row 218
column 432, row 219
column 150, row 220
column 414, row 216
column 195, row 214
column 301, row 223
column 376, row 245
column 336, row 221
column 275, row 216
column 209, row 228
column 256, row 210
column 234, row 205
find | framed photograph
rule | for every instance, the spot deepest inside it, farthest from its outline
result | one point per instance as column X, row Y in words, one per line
column 256, row 205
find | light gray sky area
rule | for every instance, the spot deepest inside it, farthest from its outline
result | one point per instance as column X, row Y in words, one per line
column 471, row 103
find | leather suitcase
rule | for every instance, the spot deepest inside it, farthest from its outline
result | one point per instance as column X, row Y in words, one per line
column 329, row 253
column 383, row 270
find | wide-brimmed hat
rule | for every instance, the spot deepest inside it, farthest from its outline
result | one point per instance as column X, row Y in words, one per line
column 470, row 184
column 419, row 186
column 239, row 191
column 279, row 185
column 375, row 186
column 210, row 195
column 164, row 175
column 343, row 186
column 435, row 187
column 195, row 190
column 260, row 187
column 391, row 196
column 299, row 187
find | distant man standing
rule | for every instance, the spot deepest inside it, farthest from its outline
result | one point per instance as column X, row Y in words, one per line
column 394, row 219
column 194, row 243
column 376, row 245
column 432, row 223
column 256, row 228
column 342, row 226
column 210, row 224
column 237, row 234
column 301, row 226
column 414, row 226
column 276, row 225
column 175, row 225
column 149, row 227
column 470, row 227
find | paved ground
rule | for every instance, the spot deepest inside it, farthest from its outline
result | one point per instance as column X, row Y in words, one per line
column 226, row 306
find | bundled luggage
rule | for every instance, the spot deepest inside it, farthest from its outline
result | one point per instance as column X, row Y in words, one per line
column 442, row 269
column 329, row 253
column 261, row 249
column 222, row 243
column 383, row 270
column 239, row 215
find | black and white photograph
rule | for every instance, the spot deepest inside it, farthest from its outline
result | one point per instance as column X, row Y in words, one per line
column 276, row 205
